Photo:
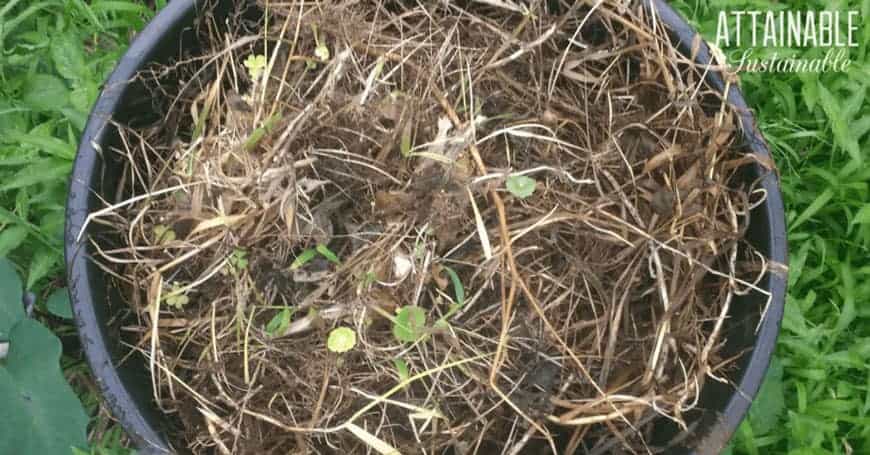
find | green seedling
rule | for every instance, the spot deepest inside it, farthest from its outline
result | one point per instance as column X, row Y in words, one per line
column 304, row 257
column 277, row 326
column 322, row 50
column 163, row 234
column 176, row 297
column 258, row 134
column 327, row 253
column 255, row 65
column 237, row 261
column 308, row 254
column 402, row 369
column 341, row 339
column 520, row 186
column 409, row 324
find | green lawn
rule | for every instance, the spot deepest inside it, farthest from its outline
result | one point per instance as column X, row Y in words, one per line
column 55, row 53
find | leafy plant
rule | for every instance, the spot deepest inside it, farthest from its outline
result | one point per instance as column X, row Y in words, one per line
column 308, row 254
column 321, row 51
column 54, row 56
column 255, row 65
column 520, row 185
column 410, row 324
column 237, row 261
column 40, row 411
column 163, row 234
column 176, row 297
column 341, row 339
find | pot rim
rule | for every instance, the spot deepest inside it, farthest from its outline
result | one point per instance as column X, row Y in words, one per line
column 80, row 274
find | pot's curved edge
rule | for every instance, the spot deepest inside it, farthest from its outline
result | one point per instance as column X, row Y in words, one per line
column 720, row 434
column 93, row 338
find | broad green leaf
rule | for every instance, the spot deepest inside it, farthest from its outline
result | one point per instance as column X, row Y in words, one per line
column 770, row 401
column 45, row 93
column 76, row 118
column 520, row 186
column 12, row 237
column 110, row 6
column 83, row 97
column 40, row 412
column 58, row 304
column 12, row 119
column 11, row 308
column 863, row 215
column 839, row 123
column 45, row 143
column 410, row 324
column 810, row 92
column 68, row 56
column 818, row 204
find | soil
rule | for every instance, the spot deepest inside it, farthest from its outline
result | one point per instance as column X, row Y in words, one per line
column 552, row 186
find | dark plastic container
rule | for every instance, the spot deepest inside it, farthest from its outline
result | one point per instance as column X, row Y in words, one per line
column 126, row 386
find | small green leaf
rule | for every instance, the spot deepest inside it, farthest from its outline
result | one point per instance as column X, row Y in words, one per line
column 40, row 412
column 11, row 308
column 410, row 324
column 402, row 369
column 406, row 146
column 341, row 339
column 258, row 134
column 520, row 186
column 237, row 261
column 255, row 65
column 279, row 323
column 175, row 298
column 303, row 258
column 58, row 304
column 163, row 234
column 458, row 289
column 327, row 253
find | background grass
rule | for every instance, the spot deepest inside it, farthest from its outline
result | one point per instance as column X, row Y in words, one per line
column 54, row 54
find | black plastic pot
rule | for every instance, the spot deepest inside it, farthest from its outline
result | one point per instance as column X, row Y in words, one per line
column 126, row 386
